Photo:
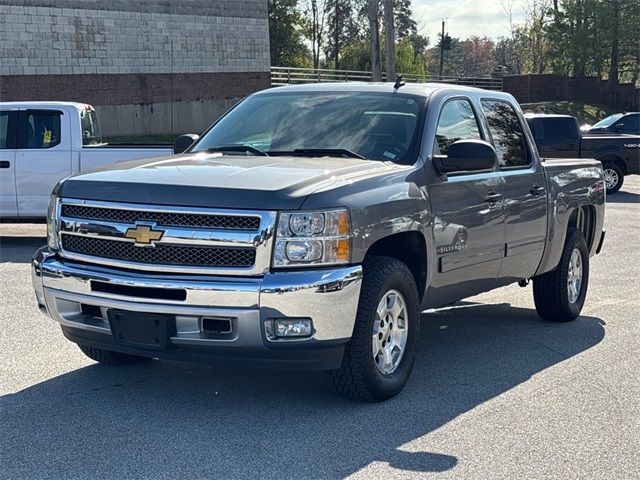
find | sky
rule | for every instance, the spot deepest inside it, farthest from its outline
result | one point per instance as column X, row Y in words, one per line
column 465, row 18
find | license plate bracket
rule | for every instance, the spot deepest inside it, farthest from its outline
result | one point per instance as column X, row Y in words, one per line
column 149, row 330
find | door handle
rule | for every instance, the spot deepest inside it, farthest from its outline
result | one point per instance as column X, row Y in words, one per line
column 493, row 197
column 537, row 191
column 5, row 164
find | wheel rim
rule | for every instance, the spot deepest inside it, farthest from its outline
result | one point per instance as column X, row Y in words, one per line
column 610, row 178
column 574, row 279
column 390, row 330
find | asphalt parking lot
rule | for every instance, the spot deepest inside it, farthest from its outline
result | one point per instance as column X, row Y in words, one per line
column 496, row 393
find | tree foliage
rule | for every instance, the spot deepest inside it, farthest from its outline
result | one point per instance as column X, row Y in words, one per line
column 286, row 27
column 574, row 37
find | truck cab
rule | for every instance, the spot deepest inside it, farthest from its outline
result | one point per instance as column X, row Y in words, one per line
column 619, row 123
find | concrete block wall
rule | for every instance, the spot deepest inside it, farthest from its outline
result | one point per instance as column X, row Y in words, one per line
column 133, row 53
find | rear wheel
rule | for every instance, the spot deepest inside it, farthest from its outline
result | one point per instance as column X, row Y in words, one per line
column 613, row 177
column 379, row 358
column 559, row 295
column 111, row 358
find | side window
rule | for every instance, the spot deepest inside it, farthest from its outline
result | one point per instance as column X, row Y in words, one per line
column 552, row 129
column 457, row 122
column 90, row 128
column 506, row 133
column 630, row 124
column 43, row 129
column 4, row 130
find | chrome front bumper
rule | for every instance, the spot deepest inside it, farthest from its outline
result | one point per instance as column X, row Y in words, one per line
column 329, row 297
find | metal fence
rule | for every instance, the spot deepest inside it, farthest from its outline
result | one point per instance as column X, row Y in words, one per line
column 290, row 75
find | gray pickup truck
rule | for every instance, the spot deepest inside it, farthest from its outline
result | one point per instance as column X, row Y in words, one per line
column 310, row 226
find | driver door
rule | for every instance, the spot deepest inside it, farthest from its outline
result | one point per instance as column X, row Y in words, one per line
column 469, row 215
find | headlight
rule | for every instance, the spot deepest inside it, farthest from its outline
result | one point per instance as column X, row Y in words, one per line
column 313, row 238
column 52, row 223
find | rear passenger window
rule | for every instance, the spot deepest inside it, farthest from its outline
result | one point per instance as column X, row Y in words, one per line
column 4, row 130
column 90, row 128
column 506, row 133
column 43, row 129
column 554, row 129
column 457, row 122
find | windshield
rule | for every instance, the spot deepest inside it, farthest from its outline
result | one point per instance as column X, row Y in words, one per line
column 378, row 126
column 608, row 121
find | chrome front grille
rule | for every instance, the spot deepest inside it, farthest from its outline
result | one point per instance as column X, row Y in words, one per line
column 191, row 240
column 162, row 254
column 169, row 219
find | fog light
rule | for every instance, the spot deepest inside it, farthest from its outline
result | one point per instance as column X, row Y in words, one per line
column 297, row 327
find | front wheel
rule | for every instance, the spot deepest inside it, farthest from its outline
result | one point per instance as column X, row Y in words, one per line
column 613, row 177
column 559, row 295
column 379, row 358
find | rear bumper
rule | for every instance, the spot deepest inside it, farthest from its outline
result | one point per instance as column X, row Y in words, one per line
column 329, row 297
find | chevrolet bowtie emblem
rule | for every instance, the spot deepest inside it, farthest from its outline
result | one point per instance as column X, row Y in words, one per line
column 143, row 234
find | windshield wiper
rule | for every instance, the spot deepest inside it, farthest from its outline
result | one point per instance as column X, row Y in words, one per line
column 238, row 148
column 315, row 152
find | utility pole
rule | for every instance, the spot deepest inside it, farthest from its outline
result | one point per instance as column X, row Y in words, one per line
column 390, row 41
column 376, row 68
column 336, row 34
column 442, row 51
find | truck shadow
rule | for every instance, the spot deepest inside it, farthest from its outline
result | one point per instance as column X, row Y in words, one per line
column 623, row 197
column 19, row 249
column 166, row 419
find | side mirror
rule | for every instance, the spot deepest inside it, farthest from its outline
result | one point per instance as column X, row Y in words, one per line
column 466, row 156
column 183, row 142
column 618, row 127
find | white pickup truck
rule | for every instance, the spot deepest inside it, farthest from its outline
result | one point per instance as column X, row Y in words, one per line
column 44, row 142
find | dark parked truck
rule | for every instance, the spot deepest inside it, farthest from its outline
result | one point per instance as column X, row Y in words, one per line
column 628, row 122
column 559, row 136
column 310, row 226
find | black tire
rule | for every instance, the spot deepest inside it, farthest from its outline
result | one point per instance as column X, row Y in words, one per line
column 616, row 172
column 111, row 358
column 550, row 292
column 359, row 378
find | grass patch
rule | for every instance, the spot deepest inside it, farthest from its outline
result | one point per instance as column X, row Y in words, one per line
column 585, row 113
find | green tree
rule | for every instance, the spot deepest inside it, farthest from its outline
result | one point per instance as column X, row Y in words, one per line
column 595, row 37
column 341, row 29
column 286, row 26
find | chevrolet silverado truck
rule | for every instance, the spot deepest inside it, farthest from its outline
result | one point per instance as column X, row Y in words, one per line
column 559, row 136
column 44, row 142
column 310, row 226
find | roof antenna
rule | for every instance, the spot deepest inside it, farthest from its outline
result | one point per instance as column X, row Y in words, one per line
column 399, row 82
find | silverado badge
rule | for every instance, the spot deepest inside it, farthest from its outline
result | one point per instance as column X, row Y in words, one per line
column 144, row 234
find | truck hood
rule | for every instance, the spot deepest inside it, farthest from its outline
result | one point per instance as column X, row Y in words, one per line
column 213, row 180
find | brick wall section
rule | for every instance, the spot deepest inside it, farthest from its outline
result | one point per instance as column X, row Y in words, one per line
column 37, row 40
column 132, row 89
